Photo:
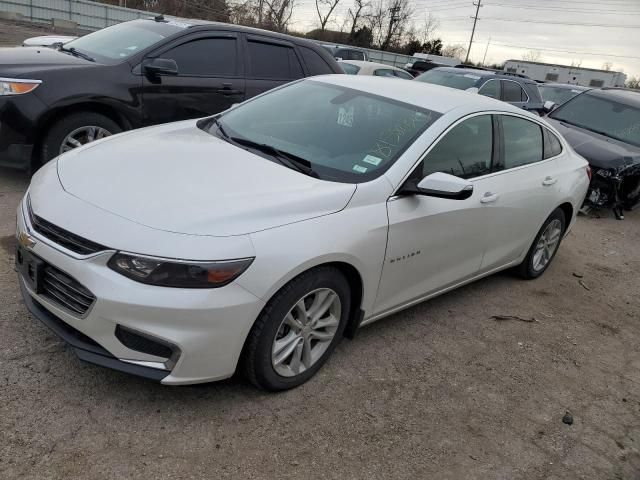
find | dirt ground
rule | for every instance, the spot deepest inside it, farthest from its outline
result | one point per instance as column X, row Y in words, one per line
column 439, row 391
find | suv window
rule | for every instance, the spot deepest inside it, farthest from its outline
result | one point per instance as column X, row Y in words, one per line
column 512, row 92
column 465, row 151
column 522, row 141
column 491, row 89
column 552, row 145
column 207, row 57
column 315, row 63
column 268, row 60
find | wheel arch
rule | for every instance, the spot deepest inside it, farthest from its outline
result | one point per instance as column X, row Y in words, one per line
column 567, row 209
column 47, row 120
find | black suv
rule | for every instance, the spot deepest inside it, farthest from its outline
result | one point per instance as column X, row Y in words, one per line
column 603, row 125
column 511, row 88
column 135, row 74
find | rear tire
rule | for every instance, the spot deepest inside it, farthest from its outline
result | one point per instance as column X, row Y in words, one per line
column 285, row 326
column 76, row 127
column 544, row 247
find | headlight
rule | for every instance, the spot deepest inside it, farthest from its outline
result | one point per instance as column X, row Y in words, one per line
column 180, row 274
column 17, row 86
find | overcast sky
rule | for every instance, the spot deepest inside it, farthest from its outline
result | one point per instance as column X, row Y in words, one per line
column 607, row 30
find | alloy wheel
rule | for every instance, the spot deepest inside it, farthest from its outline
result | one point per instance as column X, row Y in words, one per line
column 547, row 245
column 81, row 136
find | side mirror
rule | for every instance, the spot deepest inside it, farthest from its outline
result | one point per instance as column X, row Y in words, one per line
column 549, row 106
column 441, row 185
column 161, row 66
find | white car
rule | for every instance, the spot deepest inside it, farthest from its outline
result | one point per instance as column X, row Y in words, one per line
column 357, row 67
column 259, row 237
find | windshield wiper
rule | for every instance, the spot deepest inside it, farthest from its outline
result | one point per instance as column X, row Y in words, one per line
column 294, row 162
column 76, row 53
column 217, row 123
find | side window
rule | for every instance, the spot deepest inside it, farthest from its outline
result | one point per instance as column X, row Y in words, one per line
column 552, row 145
column 315, row 63
column 465, row 151
column 349, row 68
column 383, row 72
column 208, row 57
column 522, row 141
column 512, row 92
column 356, row 55
column 268, row 60
column 490, row 89
column 401, row 74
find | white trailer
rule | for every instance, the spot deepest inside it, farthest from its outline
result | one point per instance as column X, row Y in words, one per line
column 550, row 72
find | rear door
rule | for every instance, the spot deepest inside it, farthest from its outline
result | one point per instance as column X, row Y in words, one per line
column 210, row 78
column 270, row 63
column 513, row 93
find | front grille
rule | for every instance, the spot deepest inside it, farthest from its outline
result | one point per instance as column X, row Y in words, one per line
column 64, row 291
column 63, row 237
column 140, row 343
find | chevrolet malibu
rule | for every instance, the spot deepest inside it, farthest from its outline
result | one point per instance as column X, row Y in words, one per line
column 256, row 239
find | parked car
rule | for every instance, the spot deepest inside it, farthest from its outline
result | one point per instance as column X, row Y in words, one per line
column 136, row 74
column 514, row 89
column 559, row 93
column 357, row 67
column 47, row 41
column 340, row 52
column 416, row 67
column 603, row 125
column 259, row 244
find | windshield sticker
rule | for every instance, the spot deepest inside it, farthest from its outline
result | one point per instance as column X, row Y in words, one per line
column 391, row 138
column 359, row 169
column 345, row 116
column 372, row 160
column 475, row 77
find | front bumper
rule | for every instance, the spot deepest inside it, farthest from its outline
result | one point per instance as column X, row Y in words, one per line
column 19, row 116
column 207, row 327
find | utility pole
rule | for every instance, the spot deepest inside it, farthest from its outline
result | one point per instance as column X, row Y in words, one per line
column 475, row 19
column 485, row 51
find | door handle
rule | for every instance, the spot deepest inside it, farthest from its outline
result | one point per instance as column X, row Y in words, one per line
column 489, row 197
column 549, row 181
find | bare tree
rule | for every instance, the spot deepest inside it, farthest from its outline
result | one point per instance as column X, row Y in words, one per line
column 278, row 14
column 328, row 6
column 532, row 56
column 607, row 66
column 356, row 13
column 429, row 27
column 456, row 51
column 633, row 82
column 396, row 22
column 576, row 63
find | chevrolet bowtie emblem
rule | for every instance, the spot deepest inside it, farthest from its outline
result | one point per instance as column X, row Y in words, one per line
column 25, row 240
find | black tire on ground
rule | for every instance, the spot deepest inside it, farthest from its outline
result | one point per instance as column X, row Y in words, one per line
column 526, row 269
column 256, row 363
column 62, row 127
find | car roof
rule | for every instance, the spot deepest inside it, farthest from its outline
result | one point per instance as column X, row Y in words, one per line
column 484, row 73
column 620, row 95
column 425, row 95
column 567, row 86
column 364, row 63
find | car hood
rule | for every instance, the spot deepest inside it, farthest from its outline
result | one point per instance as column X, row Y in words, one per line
column 178, row 178
column 18, row 62
column 600, row 151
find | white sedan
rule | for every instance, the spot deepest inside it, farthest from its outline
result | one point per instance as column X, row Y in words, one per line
column 258, row 238
column 359, row 67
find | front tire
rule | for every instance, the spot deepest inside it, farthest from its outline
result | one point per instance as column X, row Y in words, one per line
column 297, row 330
column 75, row 130
column 544, row 246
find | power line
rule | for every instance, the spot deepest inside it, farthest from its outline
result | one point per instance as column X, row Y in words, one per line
column 564, row 51
column 546, row 22
column 580, row 10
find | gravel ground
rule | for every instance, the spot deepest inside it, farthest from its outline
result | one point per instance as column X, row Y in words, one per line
column 438, row 391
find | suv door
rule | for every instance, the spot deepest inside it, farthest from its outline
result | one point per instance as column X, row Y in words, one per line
column 270, row 63
column 434, row 243
column 523, row 191
column 209, row 80
column 513, row 93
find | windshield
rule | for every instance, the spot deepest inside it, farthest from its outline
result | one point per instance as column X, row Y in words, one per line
column 557, row 95
column 345, row 135
column 118, row 42
column 602, row 115
column 461, row 81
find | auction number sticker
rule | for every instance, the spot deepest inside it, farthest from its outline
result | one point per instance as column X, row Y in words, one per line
column 345, row 116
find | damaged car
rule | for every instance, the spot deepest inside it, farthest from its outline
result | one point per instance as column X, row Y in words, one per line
column 603, row 125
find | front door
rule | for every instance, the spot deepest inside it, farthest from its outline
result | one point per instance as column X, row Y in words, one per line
column 434, row 243
column 209, row 80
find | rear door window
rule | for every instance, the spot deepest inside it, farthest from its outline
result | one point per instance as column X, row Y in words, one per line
column 491, row 89
column 315, row 63
column 522, row 141
column 273, row 61
column 401, row 74
column 512, row 92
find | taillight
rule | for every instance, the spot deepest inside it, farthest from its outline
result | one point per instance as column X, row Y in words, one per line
column 589, row 172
